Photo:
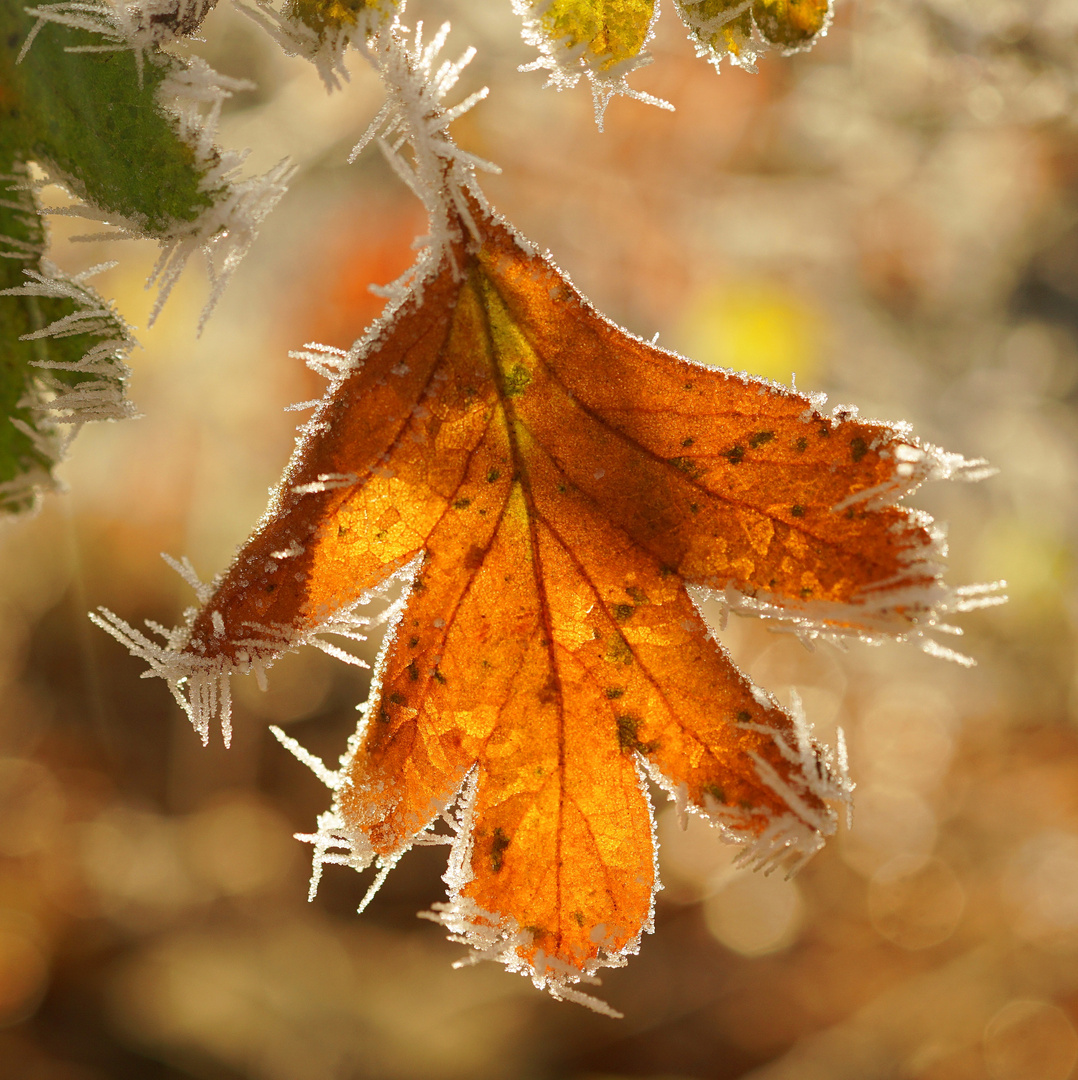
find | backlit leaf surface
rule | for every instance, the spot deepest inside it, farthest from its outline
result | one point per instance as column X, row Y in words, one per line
column 550, row 485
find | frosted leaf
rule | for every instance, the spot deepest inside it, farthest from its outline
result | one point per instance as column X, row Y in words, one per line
column 322, row 30
column 601, row 42
column 741, row 30
column 140, row 26
column 519, row 699
column 65, row 351
column 173, row 184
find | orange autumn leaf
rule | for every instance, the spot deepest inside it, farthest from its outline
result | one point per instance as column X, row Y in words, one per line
column 547, row 487
column 554, row 484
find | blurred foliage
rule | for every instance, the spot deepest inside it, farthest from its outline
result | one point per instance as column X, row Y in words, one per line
column 910, row 191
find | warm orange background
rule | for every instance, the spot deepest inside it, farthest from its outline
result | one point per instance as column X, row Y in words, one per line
column 890, row 217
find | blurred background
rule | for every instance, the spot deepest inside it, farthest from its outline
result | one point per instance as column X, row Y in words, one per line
column 894, row 218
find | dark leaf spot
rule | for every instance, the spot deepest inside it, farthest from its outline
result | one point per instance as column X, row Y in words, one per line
column 618, row 651
column 549, row 691
column 689, row 468
column 497, row 850
column 628, row 740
